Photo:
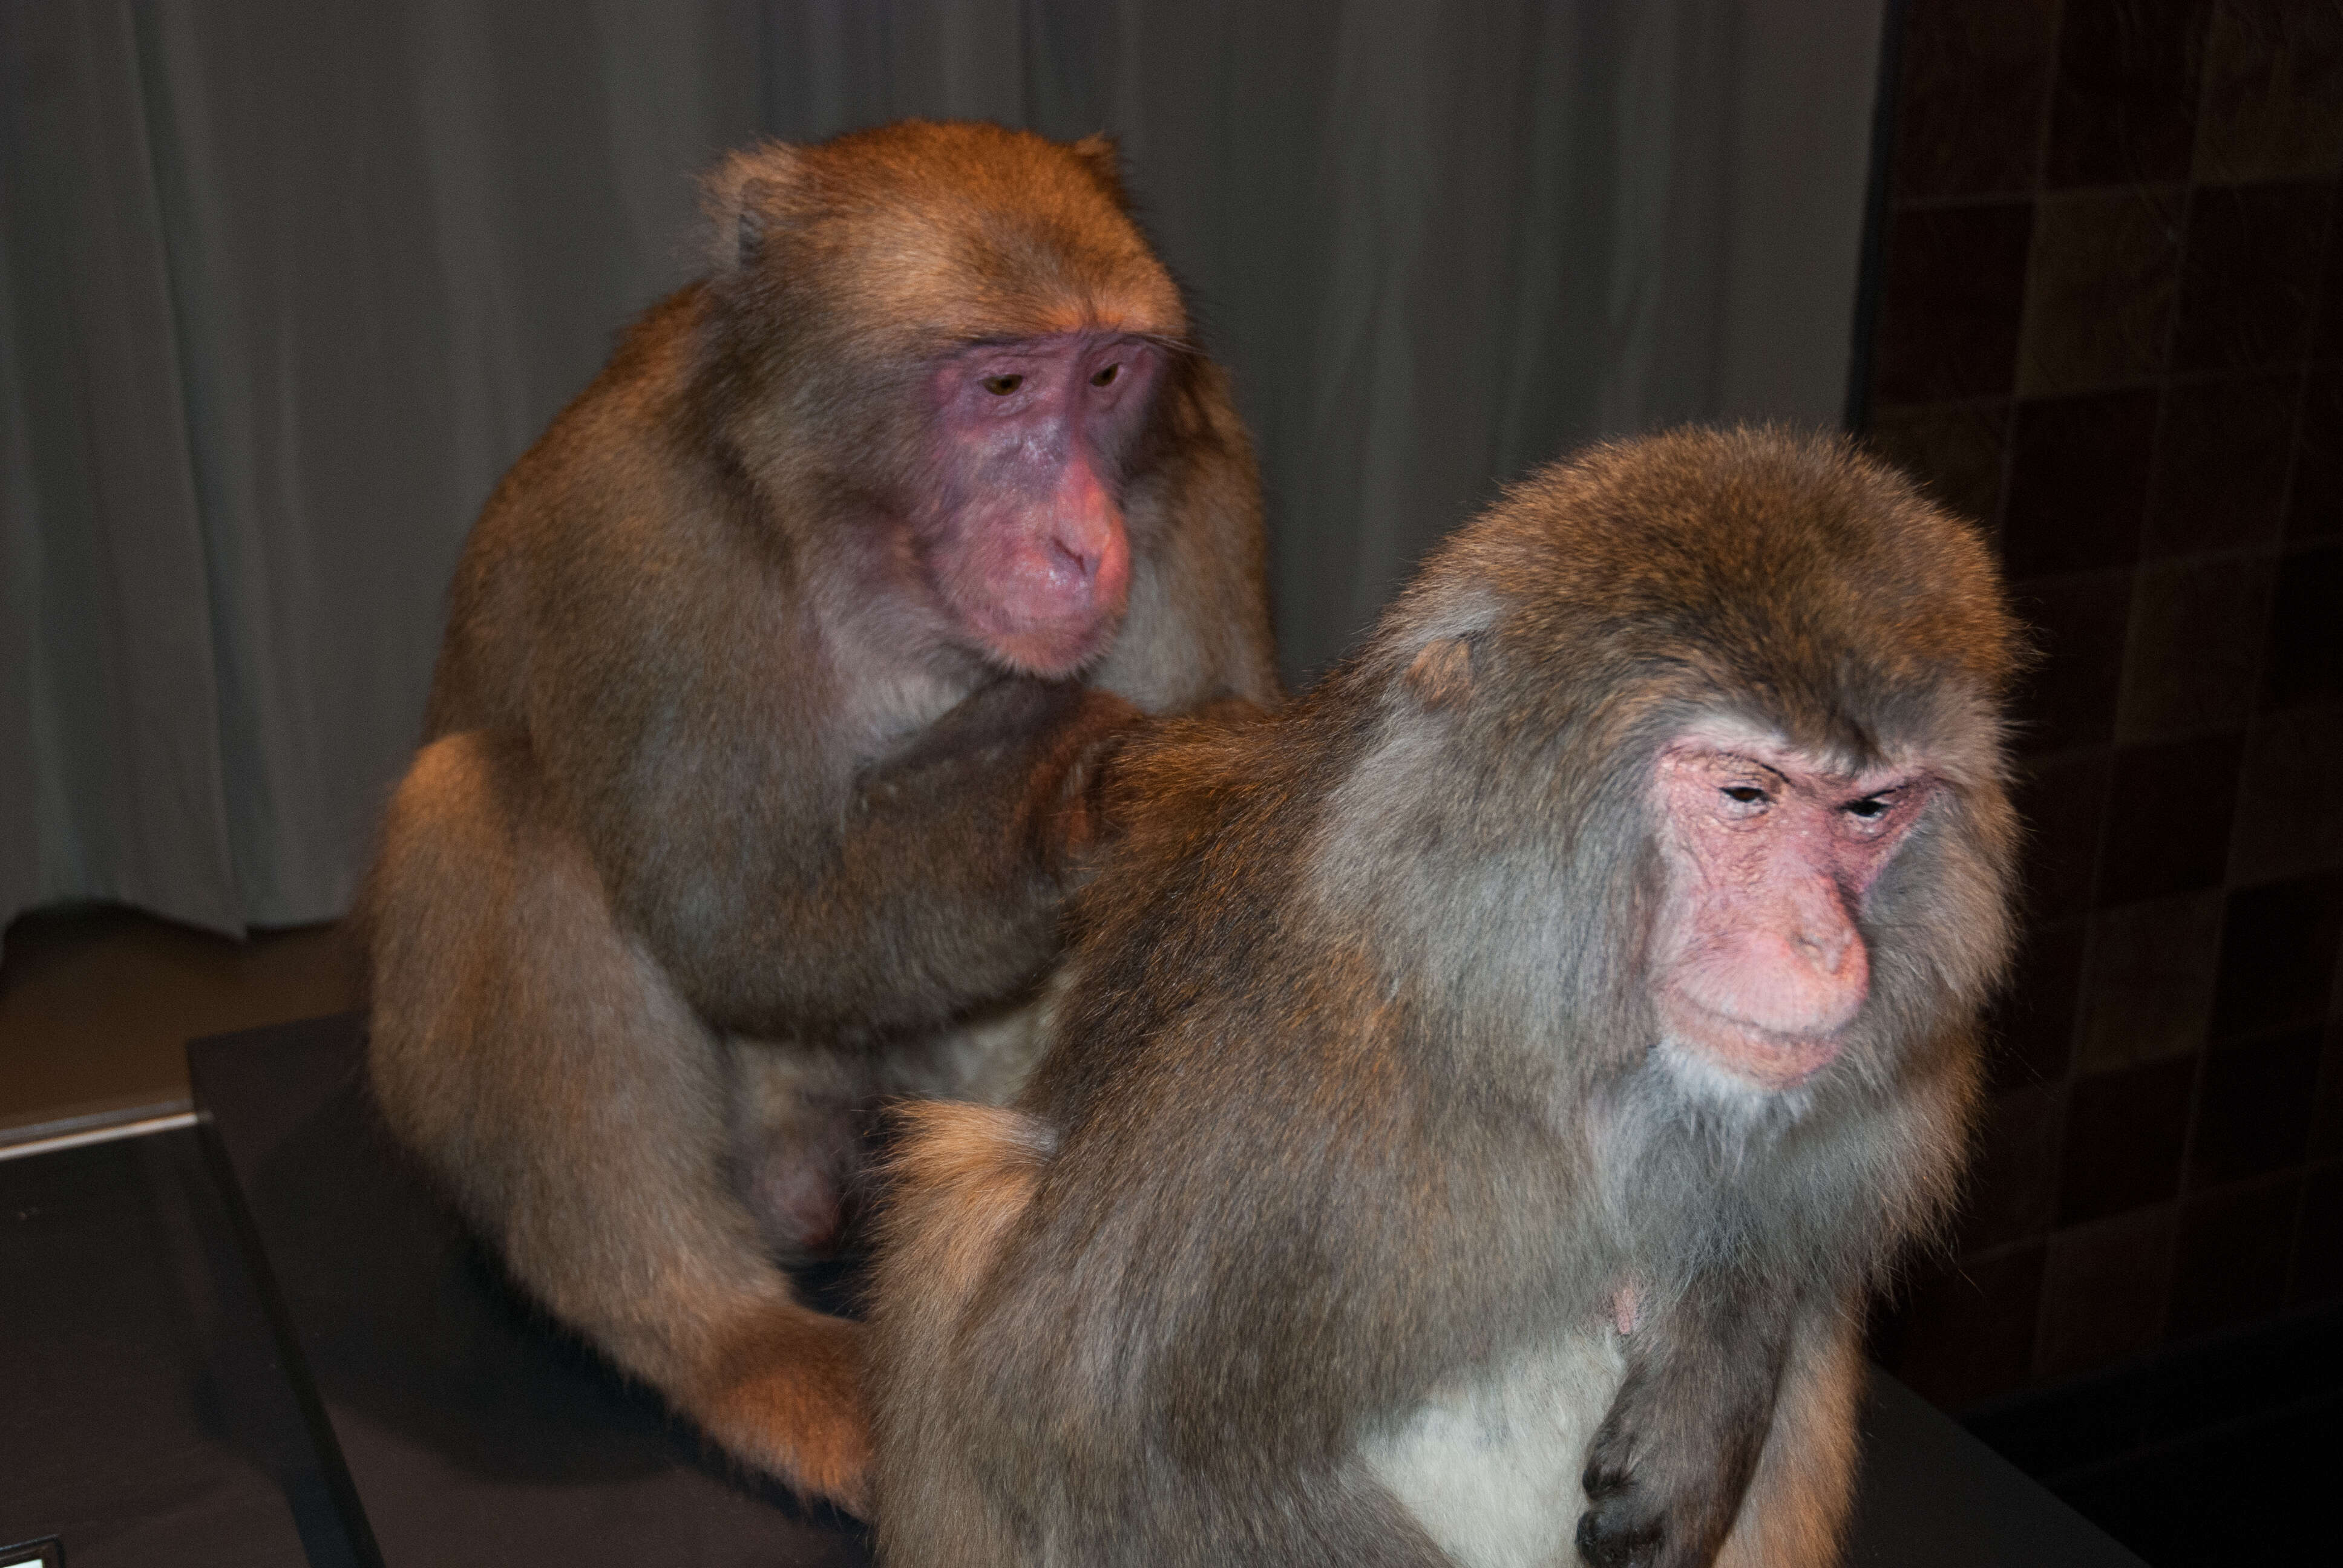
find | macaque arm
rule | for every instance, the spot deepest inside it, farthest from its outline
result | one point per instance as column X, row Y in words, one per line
column 1666, row 1472
column 1799, row 1500
column 572, row 1106
column 931, row 885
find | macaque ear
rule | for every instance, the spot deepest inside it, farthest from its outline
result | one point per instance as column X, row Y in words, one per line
column 1105, row 160
column 1442, row 673
column 748, row 200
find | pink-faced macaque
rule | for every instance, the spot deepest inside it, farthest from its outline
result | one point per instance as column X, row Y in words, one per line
column 766, row 743
column 1482, row 1096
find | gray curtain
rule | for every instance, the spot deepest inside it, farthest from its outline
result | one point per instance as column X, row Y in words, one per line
column 286, row 285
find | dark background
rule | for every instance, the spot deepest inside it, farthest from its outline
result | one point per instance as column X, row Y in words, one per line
column 2110, row 322
column 287, row 285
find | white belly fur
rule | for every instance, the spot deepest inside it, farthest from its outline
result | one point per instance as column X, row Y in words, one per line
column 1490, row 1467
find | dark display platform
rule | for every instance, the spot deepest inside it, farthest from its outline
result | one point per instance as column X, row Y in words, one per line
column 145, row 1416
column 458, row 1426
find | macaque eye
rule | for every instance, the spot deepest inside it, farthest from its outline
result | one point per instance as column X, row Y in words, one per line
column 1872, row 809
column 1002, row 386
column 1744, row 795
column 1106, row 377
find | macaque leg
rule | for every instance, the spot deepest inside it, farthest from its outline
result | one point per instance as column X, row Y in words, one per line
column 1796, row 1513
column 576, row 1109
column 1667, row 1468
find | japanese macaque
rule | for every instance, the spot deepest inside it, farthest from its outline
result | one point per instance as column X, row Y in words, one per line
column 765, row 746
column 1482, row 1097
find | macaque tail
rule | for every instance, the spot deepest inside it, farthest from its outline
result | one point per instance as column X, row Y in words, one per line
column 961, row 1176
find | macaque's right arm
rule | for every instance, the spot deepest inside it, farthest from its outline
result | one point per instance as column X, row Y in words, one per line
column 937, row 887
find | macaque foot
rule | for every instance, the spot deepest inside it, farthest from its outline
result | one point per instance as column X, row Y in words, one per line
column 787, row 1400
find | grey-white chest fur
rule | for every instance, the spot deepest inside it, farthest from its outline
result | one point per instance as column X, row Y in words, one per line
column 1490, row 1466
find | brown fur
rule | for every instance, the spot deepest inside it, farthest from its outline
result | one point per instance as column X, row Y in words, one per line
column 724, row 826
column 1356, row 1123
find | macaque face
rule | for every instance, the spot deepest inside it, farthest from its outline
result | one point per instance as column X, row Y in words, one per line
column 1759, row 963
column 1023, row 540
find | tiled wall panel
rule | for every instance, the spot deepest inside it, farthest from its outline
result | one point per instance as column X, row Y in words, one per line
column 2111, row 328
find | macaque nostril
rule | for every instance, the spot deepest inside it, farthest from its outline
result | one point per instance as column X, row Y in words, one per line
column 1073, row 561
column 1827, row 951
